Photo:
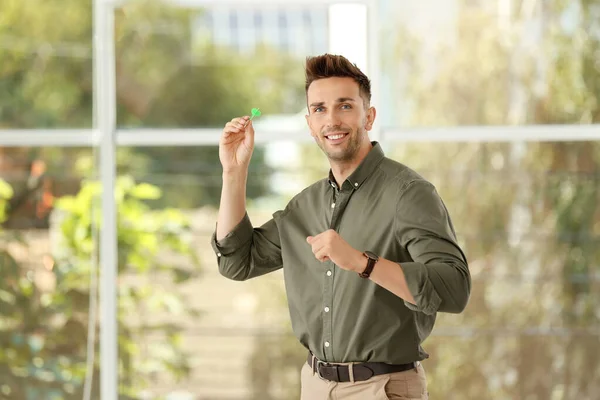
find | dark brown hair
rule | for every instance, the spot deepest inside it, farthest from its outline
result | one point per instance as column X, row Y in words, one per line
column 329, row 66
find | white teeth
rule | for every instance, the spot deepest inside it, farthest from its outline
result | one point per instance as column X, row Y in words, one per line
column 333, row 137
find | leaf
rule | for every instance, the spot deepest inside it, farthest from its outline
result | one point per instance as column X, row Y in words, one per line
column 145, row 191
column 7, row 297
column 67, row 203
column 6, row 191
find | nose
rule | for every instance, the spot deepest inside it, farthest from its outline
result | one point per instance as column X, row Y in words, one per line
column 333, row 119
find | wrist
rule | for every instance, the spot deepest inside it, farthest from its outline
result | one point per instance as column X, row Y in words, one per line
column 360, row 262
column 236, row 174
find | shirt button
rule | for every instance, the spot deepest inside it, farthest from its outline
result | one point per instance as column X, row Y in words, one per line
column 356, row 184
column 326, row 344
column 326, row 309
column 332, row 205
column 328, row 273
column 218, row 254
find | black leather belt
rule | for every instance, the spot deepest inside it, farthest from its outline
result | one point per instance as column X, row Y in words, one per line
column 361, row 371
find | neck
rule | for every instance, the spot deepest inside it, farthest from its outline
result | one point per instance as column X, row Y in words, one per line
column 341, row 170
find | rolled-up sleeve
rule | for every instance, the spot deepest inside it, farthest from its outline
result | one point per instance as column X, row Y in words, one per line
column 247, row 252
column 438, row 276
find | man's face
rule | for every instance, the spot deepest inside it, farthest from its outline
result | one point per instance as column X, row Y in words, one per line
column 337, row 117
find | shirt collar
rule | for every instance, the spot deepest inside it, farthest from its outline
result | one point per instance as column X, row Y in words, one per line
column 364, row 169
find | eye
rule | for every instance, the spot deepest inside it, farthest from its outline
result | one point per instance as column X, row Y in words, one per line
column 346, row 106
column 317, row 109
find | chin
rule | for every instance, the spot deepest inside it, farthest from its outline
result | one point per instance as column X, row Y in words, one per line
column 340, row 156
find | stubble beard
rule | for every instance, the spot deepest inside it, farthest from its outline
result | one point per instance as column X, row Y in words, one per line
column 348, row 152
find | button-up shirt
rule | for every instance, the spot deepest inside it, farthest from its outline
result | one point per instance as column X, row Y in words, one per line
column 383, row 207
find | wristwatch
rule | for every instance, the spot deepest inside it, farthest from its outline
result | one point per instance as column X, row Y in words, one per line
column 371, row 260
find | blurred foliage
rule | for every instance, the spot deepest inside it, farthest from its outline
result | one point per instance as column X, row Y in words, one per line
column 277, row 359
column 527, row 214
column 37, row 176
column 168, row 75
column 44, row 333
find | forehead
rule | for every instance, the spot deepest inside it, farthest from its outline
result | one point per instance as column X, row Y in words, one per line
column 328, row 90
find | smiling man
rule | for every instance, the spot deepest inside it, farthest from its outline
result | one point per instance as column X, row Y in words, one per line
column 369, row 253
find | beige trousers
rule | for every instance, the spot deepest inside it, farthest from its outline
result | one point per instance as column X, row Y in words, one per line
column 406, row 385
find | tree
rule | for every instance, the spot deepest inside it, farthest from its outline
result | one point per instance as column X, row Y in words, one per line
column 168, row 76
column 196, row 84
column 525, row 212
column 44, row 334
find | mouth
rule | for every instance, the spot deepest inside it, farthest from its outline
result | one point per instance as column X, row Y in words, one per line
column 336, row 137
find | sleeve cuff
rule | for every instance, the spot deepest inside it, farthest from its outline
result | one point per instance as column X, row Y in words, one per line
column 241, row 234
column 417, row 279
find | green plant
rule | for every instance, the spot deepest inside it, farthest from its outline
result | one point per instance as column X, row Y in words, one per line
column 44, row 335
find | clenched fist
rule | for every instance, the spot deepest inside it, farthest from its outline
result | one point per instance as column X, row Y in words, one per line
column 329, row 245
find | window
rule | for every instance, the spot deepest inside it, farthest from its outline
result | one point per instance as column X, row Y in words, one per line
column 46, row 75
column 481, row 64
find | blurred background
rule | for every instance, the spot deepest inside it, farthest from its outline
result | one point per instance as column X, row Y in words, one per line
column 493, row 101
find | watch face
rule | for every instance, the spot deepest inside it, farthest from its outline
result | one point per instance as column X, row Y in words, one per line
column 371, row 255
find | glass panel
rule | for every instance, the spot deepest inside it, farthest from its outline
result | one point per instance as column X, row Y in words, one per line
column 46, row 64
column 47, row 265
column 513, row 364
column 526, row 215
column 489, row 63
column 200, row 67
column 181, row 324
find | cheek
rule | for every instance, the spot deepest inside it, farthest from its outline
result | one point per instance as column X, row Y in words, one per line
column 364, row 123
column 315, row 131
column 311, row 126
column 316, row 126
column 354, row 120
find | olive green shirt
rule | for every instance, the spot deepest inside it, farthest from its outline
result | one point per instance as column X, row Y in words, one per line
column 384, row 207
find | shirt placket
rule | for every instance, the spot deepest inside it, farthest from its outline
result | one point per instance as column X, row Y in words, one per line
column 338, row 204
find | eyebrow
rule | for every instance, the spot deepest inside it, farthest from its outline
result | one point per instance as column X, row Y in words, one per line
column 340, row 100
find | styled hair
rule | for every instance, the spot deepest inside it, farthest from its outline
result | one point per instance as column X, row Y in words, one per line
column 329, row 66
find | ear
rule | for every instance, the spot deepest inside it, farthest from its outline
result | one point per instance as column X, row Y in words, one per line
column 371, row 114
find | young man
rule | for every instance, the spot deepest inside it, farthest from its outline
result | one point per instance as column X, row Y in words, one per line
column 369, row 253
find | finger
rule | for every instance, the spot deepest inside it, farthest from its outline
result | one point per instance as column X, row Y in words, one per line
column 242, row 122
column 250, row 133
column 236, row 123
column 319, row 248
column 322, row 255
column 314, row 240
column 239, row 122
column 232, row 127
column 233, row 131
column 317, row 236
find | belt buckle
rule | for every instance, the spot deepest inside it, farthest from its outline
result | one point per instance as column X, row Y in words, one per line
column 331, row 371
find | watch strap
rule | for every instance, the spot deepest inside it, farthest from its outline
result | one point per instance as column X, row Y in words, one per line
column 371, row 260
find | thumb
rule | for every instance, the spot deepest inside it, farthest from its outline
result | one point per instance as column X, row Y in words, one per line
column 309, row 239
column 249, row 127
column 249, row 132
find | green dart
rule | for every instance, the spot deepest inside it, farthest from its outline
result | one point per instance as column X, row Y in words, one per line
column 255, row 113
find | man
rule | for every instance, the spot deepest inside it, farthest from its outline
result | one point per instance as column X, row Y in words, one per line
column 369, row 254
